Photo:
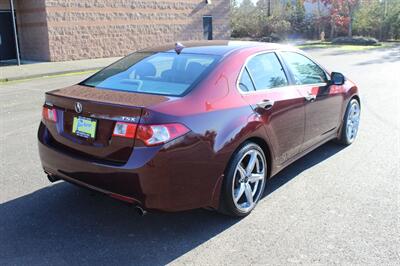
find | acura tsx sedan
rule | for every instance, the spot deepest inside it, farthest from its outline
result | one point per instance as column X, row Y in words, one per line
column 195, row 125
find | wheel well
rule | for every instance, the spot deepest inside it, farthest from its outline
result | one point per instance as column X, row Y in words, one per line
column 264, row 146
column 357, row 98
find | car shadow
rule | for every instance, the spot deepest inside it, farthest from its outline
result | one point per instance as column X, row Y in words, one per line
column 315, row 157
column 61, row 224
column 391, row 57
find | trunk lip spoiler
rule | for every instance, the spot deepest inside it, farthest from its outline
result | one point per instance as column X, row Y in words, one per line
column 100, row 115
column 50, row 94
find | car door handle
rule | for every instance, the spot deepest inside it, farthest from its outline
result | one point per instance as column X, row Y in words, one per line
column 266, row 104
column 310, row 97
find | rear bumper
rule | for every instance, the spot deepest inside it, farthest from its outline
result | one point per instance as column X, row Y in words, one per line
column 155, row 177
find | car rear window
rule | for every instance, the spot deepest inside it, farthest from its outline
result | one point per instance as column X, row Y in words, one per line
column 165, row 73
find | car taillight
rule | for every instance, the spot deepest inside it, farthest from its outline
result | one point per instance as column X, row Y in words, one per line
column 126, row 130
column 158, row 134
column 151, row 135
column 49, row 114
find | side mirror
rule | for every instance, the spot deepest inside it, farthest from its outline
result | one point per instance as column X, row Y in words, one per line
column 337, row 78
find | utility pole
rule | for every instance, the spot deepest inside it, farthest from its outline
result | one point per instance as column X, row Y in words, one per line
column 15, row 32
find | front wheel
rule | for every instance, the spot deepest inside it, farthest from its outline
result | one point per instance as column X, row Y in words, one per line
column 244, row 181
column 350, row 122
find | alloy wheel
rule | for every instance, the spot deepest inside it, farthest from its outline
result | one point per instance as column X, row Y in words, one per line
column 249, row 179
column 353, row 120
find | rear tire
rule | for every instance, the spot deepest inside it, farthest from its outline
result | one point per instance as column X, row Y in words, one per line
column 350, row 123
column 244, row 180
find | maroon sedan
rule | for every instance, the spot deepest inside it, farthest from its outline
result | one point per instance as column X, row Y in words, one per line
column 195, row 125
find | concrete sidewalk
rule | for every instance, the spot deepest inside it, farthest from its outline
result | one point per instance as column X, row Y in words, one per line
column 40, row 69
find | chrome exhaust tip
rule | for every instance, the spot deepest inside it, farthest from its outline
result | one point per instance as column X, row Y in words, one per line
column 140, row 210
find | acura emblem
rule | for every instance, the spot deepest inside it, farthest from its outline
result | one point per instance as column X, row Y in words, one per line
column 78, row 107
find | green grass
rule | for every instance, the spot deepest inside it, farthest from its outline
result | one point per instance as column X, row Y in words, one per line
column 315, row 45
column 345, row 47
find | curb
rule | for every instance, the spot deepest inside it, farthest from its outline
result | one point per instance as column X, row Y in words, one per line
column 49, row 74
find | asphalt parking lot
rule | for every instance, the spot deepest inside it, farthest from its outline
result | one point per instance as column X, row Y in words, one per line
column 335, row 206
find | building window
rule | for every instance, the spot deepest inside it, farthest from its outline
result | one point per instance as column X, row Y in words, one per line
column 7, row 38
column 207, row 27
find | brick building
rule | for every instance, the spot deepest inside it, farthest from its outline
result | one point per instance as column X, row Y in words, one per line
column 56, row 30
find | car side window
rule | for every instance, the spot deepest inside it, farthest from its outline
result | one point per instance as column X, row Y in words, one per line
column 245, row 82
column 266, row 71
column 303, row 69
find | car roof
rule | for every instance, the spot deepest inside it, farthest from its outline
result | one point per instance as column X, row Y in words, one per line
column 215, row 47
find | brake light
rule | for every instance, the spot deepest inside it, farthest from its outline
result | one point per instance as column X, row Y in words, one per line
column 151, row 135
column 49, row 114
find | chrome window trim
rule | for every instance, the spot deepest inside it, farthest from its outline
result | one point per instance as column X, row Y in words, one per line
column 328, row 76
column 251, row 79
column 244, row 66
column 276, row 52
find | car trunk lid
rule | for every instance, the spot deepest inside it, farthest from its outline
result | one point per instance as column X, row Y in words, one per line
column 102, row 107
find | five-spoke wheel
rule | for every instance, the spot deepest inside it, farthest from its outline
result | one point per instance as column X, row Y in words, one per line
column 249, row 178
column 244, row 181
column 351, row 121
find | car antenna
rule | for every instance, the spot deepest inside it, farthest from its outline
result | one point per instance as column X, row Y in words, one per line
column 179, row 47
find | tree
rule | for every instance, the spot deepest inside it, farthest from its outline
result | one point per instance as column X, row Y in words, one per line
column 341, row 14
column 266, row 19
column 379, row 19
column 352, row 6
column 368, row 19
column 391, row 19
column 269, row 19
column 243, row 19
column 265, row 5
column 296, row 15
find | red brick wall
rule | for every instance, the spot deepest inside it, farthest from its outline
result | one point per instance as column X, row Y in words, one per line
column 32, row 29
column 101, row 28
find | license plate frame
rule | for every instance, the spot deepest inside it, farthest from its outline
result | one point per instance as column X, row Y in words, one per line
column 84, row 127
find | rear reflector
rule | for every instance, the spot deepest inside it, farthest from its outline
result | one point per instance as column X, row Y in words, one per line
column 49, row 114
column 151, row 135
